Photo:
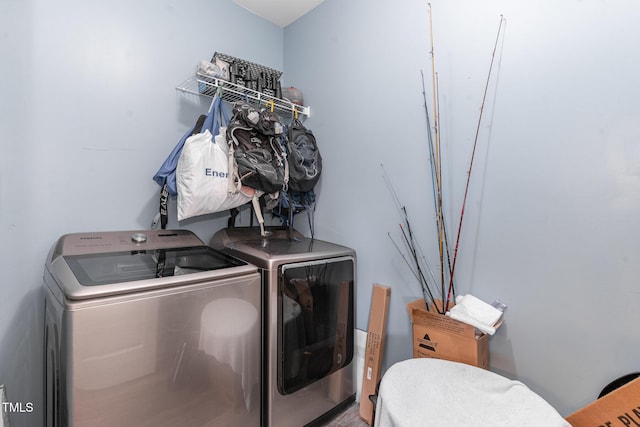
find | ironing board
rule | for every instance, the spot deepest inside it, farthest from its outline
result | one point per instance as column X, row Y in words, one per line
column 432, row 392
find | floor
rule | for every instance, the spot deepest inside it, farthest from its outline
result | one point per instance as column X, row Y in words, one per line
column 349, row 418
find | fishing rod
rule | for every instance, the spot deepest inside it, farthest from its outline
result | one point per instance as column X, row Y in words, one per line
column 403, row 212
column 444, row 224
column 417, row 253
column 473, row 152
column 437, row 154
column 404, row 257
column 437, row 197
column 432, row 160
column 426, row 292
column 411, row 244
column 425, row 284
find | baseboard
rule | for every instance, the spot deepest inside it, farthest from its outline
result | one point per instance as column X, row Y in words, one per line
column 361, row 344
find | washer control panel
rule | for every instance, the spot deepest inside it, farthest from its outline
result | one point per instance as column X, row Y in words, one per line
column 117, row 241
column 139, row 238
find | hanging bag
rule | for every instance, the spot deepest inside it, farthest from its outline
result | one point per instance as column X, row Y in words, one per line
column 202, row 172
column 166, row 175
column 305, row 161
column 256, row 156
column 305, row 167
column 255, row 139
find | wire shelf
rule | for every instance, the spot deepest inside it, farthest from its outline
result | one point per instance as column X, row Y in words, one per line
column 204, row 85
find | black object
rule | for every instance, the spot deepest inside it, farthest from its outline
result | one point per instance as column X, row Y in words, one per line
column 305, row 161
column 428, row 347
column 618, row 383
column 251, row 75
column 255, row 137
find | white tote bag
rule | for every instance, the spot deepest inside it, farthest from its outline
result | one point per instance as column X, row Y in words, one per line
column 202, row 177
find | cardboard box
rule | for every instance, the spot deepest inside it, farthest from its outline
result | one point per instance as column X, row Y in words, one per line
column 441, row 337
column 621, row 407
column 374, row 350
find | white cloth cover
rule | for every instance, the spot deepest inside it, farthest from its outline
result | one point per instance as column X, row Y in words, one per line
column 432, row 392
column 473, row 311
column 202, row 177
column 230, row 332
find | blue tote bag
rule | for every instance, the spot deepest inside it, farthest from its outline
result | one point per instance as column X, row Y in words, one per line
column 166, row 175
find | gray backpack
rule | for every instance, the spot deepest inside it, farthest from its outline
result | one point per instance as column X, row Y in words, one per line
column 303, row 156
column 254, row 137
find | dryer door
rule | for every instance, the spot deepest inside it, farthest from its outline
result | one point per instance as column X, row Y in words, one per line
column 315, row 321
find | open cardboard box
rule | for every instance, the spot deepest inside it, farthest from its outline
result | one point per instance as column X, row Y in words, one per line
column 441, row 337
column 621, row 408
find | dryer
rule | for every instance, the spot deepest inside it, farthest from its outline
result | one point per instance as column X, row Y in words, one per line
column 150, row 328
column 308, row 325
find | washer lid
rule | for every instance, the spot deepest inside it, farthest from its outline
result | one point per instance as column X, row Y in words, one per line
column 119, row 267
column 112, row 263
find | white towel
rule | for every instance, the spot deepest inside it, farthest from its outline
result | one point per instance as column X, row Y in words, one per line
column 212, row 70
column 475, row 312
column 487, row 329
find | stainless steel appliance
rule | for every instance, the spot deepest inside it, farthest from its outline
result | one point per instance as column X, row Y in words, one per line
column 150, row 328
column 309, row 288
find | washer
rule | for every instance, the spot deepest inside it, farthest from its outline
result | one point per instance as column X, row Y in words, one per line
column 309, row 291
column 150, row 328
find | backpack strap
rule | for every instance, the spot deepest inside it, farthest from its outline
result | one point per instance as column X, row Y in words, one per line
column 291, row 216
column 309, row 204
column 160, row 264
column 199, row 124
column 281, row 155
column 233, row 183
column 216, row 117
column 255, row 201
column 233, row 213
column 310, row 207
column 164, row 199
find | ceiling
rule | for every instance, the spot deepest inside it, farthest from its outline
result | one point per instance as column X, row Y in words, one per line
column 280, row 12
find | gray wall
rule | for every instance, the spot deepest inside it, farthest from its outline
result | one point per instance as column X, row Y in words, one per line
column 88, row 111
column 550, row 225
